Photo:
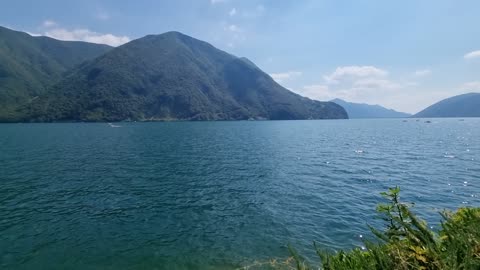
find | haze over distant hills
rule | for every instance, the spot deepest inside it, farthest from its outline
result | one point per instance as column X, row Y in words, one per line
column 466, row 105
column 361, row 110
column 159, row 77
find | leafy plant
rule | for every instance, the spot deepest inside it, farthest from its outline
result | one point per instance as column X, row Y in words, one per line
column 407, row 242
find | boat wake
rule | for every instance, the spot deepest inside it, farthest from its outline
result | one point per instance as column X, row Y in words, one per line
column 113, row 126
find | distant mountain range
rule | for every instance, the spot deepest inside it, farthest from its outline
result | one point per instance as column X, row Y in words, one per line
column 361, row 110
column 158, row 77
column 466, row 105
column 161, row 77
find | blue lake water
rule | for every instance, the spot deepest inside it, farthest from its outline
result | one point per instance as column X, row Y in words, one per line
column 216, row 195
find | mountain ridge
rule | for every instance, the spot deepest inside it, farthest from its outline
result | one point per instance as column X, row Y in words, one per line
column 363, row 110
column 172, row 76
column 465, row 105
column 29, row 65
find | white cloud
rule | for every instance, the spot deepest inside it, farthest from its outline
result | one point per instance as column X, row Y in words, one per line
column 213, row 2
column 52, row 29
column 49, row 23
column 471, row 86
column 87, row 36
column 323, row 92
column 422, row 73
column 33, row 34
column 258, row 11
column 373, row 83
column 353, row 83
column 318, row 92
column 366, row 92
column 354, row 72
column 471, row 55
column 281, row 77
column 232, row 12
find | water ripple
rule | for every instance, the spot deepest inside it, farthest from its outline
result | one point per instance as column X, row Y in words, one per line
column 217, row 195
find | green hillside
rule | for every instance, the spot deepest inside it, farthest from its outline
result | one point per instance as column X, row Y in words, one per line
column 172, row 77
column 28, row 65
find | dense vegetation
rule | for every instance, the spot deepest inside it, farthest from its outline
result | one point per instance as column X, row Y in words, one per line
column 359, row 110
column 466, row 105
column 406, row 242
column 29, row 65
column 171, row 77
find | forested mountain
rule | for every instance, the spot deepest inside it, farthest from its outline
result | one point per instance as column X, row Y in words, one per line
column 29, row 65
column 466, row 105
column 172, row 77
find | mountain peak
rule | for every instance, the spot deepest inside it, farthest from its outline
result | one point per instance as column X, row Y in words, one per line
column 173, row 41
column 170, row 76
column 169, row 34
column 173, row 76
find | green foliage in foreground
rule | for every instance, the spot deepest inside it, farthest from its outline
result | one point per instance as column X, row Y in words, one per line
column 407, row 243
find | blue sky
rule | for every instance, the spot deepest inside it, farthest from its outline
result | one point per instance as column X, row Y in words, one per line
column 401, row 54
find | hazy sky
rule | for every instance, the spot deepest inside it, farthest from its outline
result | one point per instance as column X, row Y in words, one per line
column 401, row 54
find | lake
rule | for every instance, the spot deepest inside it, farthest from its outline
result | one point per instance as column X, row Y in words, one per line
column 218, row 195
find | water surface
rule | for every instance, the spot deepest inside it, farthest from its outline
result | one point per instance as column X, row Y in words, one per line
column 215, row 195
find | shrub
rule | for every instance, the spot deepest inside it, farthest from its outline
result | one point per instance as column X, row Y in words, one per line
column 407, row 242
